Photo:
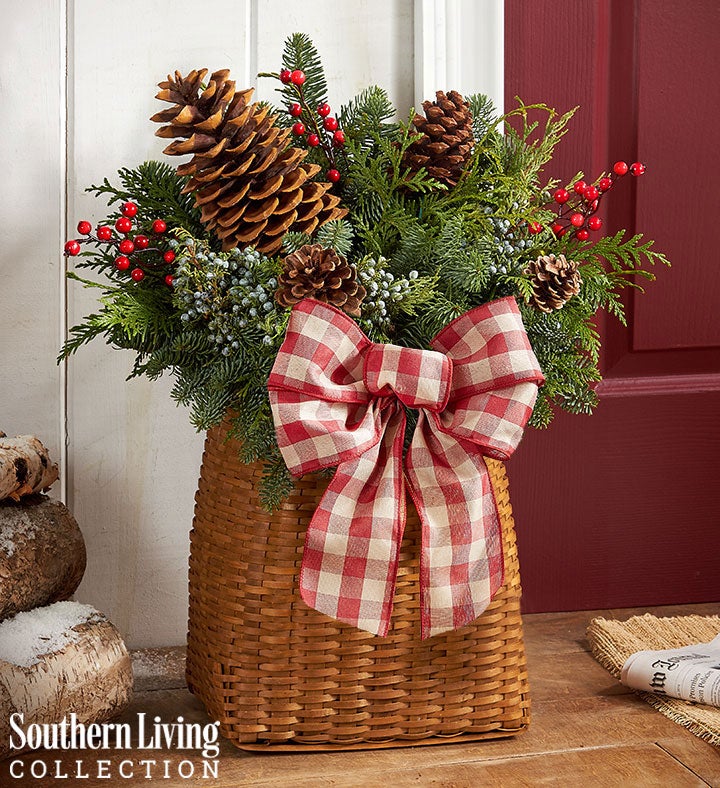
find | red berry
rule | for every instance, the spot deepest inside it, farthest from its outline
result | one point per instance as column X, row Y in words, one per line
column 295, row 110
column 556, row 228
column 104, row 233
column 141, row 241
column 339, row 138
column 561, row 196
column 324, row 110
column 604, row 184
column 637, row 169
column 333, row 176
column 285, row 76
column 169, row 256
column 620, row 168
column 579, row 187
column 159, row 226
column 297, row 77
column 577, row 220
column 137, row 274
column 582, row 235
column 534, row 228
column 129, row 209
column 122, row 263
column 72, row 248
column 330, row 123
column 123, row 225
column 298, row 128
column 169, row 281
column 84, row 228
column 591, row 193
column 126, row 246
column 313, row 140
column 594, row 223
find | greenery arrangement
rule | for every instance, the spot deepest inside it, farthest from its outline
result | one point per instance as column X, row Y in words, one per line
column 405, row 225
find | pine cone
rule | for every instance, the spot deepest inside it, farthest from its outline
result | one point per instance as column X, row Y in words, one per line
column 323, row 274
column 447, row 142
column 250, row 185
column 555, row 281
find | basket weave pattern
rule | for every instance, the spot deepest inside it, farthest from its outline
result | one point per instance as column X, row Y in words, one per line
column 276, row 672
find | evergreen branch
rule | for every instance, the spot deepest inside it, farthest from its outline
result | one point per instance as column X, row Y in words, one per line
column 366, row 118
column 484, row 115
column 292, row 241
column 338, row 235
column 299, row 53
column 158, row 191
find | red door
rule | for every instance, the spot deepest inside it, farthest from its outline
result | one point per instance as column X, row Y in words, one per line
column 622, row 508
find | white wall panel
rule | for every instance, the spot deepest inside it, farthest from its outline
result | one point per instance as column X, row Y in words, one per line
column 32, row 159
column 133, row 456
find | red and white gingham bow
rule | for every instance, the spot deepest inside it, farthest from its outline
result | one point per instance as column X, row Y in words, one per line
column 337, row 399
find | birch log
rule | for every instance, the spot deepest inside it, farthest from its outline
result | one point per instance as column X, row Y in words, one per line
column 25, row 467
column 42, row 554
column 49, row 670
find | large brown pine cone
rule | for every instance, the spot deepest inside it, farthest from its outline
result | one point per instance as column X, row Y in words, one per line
column 447, row 142
column 313, row 271
column 555, row 281
column 250, row 185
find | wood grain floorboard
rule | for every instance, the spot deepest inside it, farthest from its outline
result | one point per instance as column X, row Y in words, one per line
column 700, row 757
column 586, row 729
column 645, row 765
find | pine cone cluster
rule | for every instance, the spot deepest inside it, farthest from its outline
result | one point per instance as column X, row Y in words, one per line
column 555, row 281
column 447, row 138
column 250, row 185
column 317, row 272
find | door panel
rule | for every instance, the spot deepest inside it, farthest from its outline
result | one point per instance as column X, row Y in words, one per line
column 621, row 508
column 678, row 96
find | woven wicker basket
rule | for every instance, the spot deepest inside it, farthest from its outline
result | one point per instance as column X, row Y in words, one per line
column 279, row 675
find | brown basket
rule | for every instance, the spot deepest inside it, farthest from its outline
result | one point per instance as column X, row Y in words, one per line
column 275, row 672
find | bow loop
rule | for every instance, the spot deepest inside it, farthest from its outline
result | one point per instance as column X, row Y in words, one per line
column 418, row 378
column 336, row 400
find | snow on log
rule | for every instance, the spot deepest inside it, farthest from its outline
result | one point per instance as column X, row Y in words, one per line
column 58, row 660
column 42, row 554
column 25, row 467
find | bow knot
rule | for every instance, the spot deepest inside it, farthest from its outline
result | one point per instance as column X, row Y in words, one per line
column 418, row 378
column 337, row 400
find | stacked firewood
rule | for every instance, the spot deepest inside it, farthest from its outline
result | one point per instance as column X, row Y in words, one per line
column 56, row 657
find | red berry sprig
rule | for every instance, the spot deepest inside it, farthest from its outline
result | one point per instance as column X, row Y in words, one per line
column 576, row 210
column 127, row 247
column 318, row 128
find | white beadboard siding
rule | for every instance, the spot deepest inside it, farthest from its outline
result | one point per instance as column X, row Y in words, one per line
column 133, row 458
column 134, row 455
column 32, row 86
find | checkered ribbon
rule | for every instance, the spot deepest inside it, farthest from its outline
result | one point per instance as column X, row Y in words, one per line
column 338, row 399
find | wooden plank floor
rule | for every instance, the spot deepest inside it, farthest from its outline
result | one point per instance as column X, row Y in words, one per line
column 586, row 730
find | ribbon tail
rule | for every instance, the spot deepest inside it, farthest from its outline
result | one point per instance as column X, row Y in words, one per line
column 461, row 565
column 352, row 546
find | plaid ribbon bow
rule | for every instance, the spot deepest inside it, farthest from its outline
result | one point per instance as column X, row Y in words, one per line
column 337, row 399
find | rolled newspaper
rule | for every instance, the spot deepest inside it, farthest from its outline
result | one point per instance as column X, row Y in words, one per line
column 689, row 673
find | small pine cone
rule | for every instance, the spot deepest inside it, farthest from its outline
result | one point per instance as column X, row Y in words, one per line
column 313, row 271
column 555, row 281
column 447, row 138
column 249, row 183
